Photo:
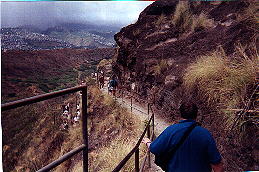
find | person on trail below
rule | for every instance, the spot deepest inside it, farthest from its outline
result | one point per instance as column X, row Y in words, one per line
column 67, row 107
column 78, row 113
column 196, row 153
column 112, row 86
column 101, row 81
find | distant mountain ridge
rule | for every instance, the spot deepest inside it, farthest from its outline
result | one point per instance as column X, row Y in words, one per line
column 68, row 35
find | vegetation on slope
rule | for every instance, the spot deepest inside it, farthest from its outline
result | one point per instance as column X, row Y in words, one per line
column 185, row 21
column 31, row 136
column 113, row 132
column 222, row 85
column 221, row 81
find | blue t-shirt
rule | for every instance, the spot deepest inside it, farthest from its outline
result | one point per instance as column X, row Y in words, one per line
column 196, row 153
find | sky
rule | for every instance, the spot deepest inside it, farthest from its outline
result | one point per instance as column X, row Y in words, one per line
column 45, row 14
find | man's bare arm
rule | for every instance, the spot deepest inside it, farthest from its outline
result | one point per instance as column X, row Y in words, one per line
column 217, row 167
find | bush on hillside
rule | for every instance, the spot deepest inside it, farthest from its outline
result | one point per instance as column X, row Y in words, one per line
column 185, row 21
column 161, row 19
column 160, row 67
column 201, row 22
column 220, row 81
column 182, row 18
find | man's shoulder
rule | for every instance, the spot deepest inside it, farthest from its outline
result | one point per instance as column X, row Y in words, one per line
column 203, row 133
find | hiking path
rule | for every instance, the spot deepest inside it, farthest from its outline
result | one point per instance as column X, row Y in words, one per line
column 142, row 112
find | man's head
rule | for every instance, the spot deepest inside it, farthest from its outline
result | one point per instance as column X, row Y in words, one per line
column 188, row 110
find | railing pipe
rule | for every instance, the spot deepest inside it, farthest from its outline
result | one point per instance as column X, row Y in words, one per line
column 131, row 103
column 35, row 99
column 123, row 162
column 84, row 128
column 148, row 136
column 137, row 160
column 31, row 100
column 62, row 159
column 143, row 163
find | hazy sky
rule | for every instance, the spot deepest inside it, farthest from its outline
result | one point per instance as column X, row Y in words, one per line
column 45, row 14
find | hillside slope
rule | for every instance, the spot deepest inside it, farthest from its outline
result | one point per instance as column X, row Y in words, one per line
column 28, row 73
column 218, row 44
column 32, row 135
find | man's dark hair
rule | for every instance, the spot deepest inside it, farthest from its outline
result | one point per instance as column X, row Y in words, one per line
column 188, row 110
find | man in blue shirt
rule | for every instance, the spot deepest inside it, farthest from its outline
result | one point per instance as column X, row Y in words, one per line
column 198, row 153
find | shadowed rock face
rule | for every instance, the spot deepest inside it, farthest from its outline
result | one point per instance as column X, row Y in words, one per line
column 144, row 44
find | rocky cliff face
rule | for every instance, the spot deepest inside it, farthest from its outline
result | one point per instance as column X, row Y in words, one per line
column 156, row 50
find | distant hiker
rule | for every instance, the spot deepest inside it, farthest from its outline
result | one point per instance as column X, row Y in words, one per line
column 112, row 86
column 63, row 108
column 77, row 107
column 78, row 113
column 101, row 82
column 64, row 126
column 67, row 107
column 69, row 116
column 82, row 83
column 76, row 119
column 133, row 86
column 185, row 146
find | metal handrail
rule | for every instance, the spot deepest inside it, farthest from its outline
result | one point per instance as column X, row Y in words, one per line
column 136, row 147
column 84, row 147
column 63, row 158
column 35, row 99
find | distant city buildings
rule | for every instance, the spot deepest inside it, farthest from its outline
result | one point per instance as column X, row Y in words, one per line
column 24, row 39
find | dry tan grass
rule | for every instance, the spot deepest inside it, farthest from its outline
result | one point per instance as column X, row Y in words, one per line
column 201, row 22
column 182, row 17
column 160, row 67
column 125, row 128
column 161, row 19
column 103, row 63
column 250, row 12
column 186, row 22
column 110, row 156
column 136, row 32
column 222, row 82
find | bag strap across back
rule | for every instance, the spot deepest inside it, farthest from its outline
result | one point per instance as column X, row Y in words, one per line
column 185, row 135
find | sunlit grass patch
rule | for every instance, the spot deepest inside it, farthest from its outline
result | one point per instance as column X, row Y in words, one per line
column 220, row 81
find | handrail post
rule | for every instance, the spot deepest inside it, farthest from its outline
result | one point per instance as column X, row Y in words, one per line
column 148, row 109
column 131, row 103
column 122, row 95
column 148, row 136
column 84, row 129
column 137, row 160
column 153, row 125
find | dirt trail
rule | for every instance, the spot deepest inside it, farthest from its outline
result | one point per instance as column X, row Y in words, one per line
column 142, row 112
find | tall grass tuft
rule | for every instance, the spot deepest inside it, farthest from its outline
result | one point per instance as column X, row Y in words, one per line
column 161, row 19
column 201, row 22
column 182, row 17
column 160, row 67
column 221, row 81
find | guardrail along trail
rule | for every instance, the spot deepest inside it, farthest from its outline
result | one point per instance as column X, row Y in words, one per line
column 142, row 112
